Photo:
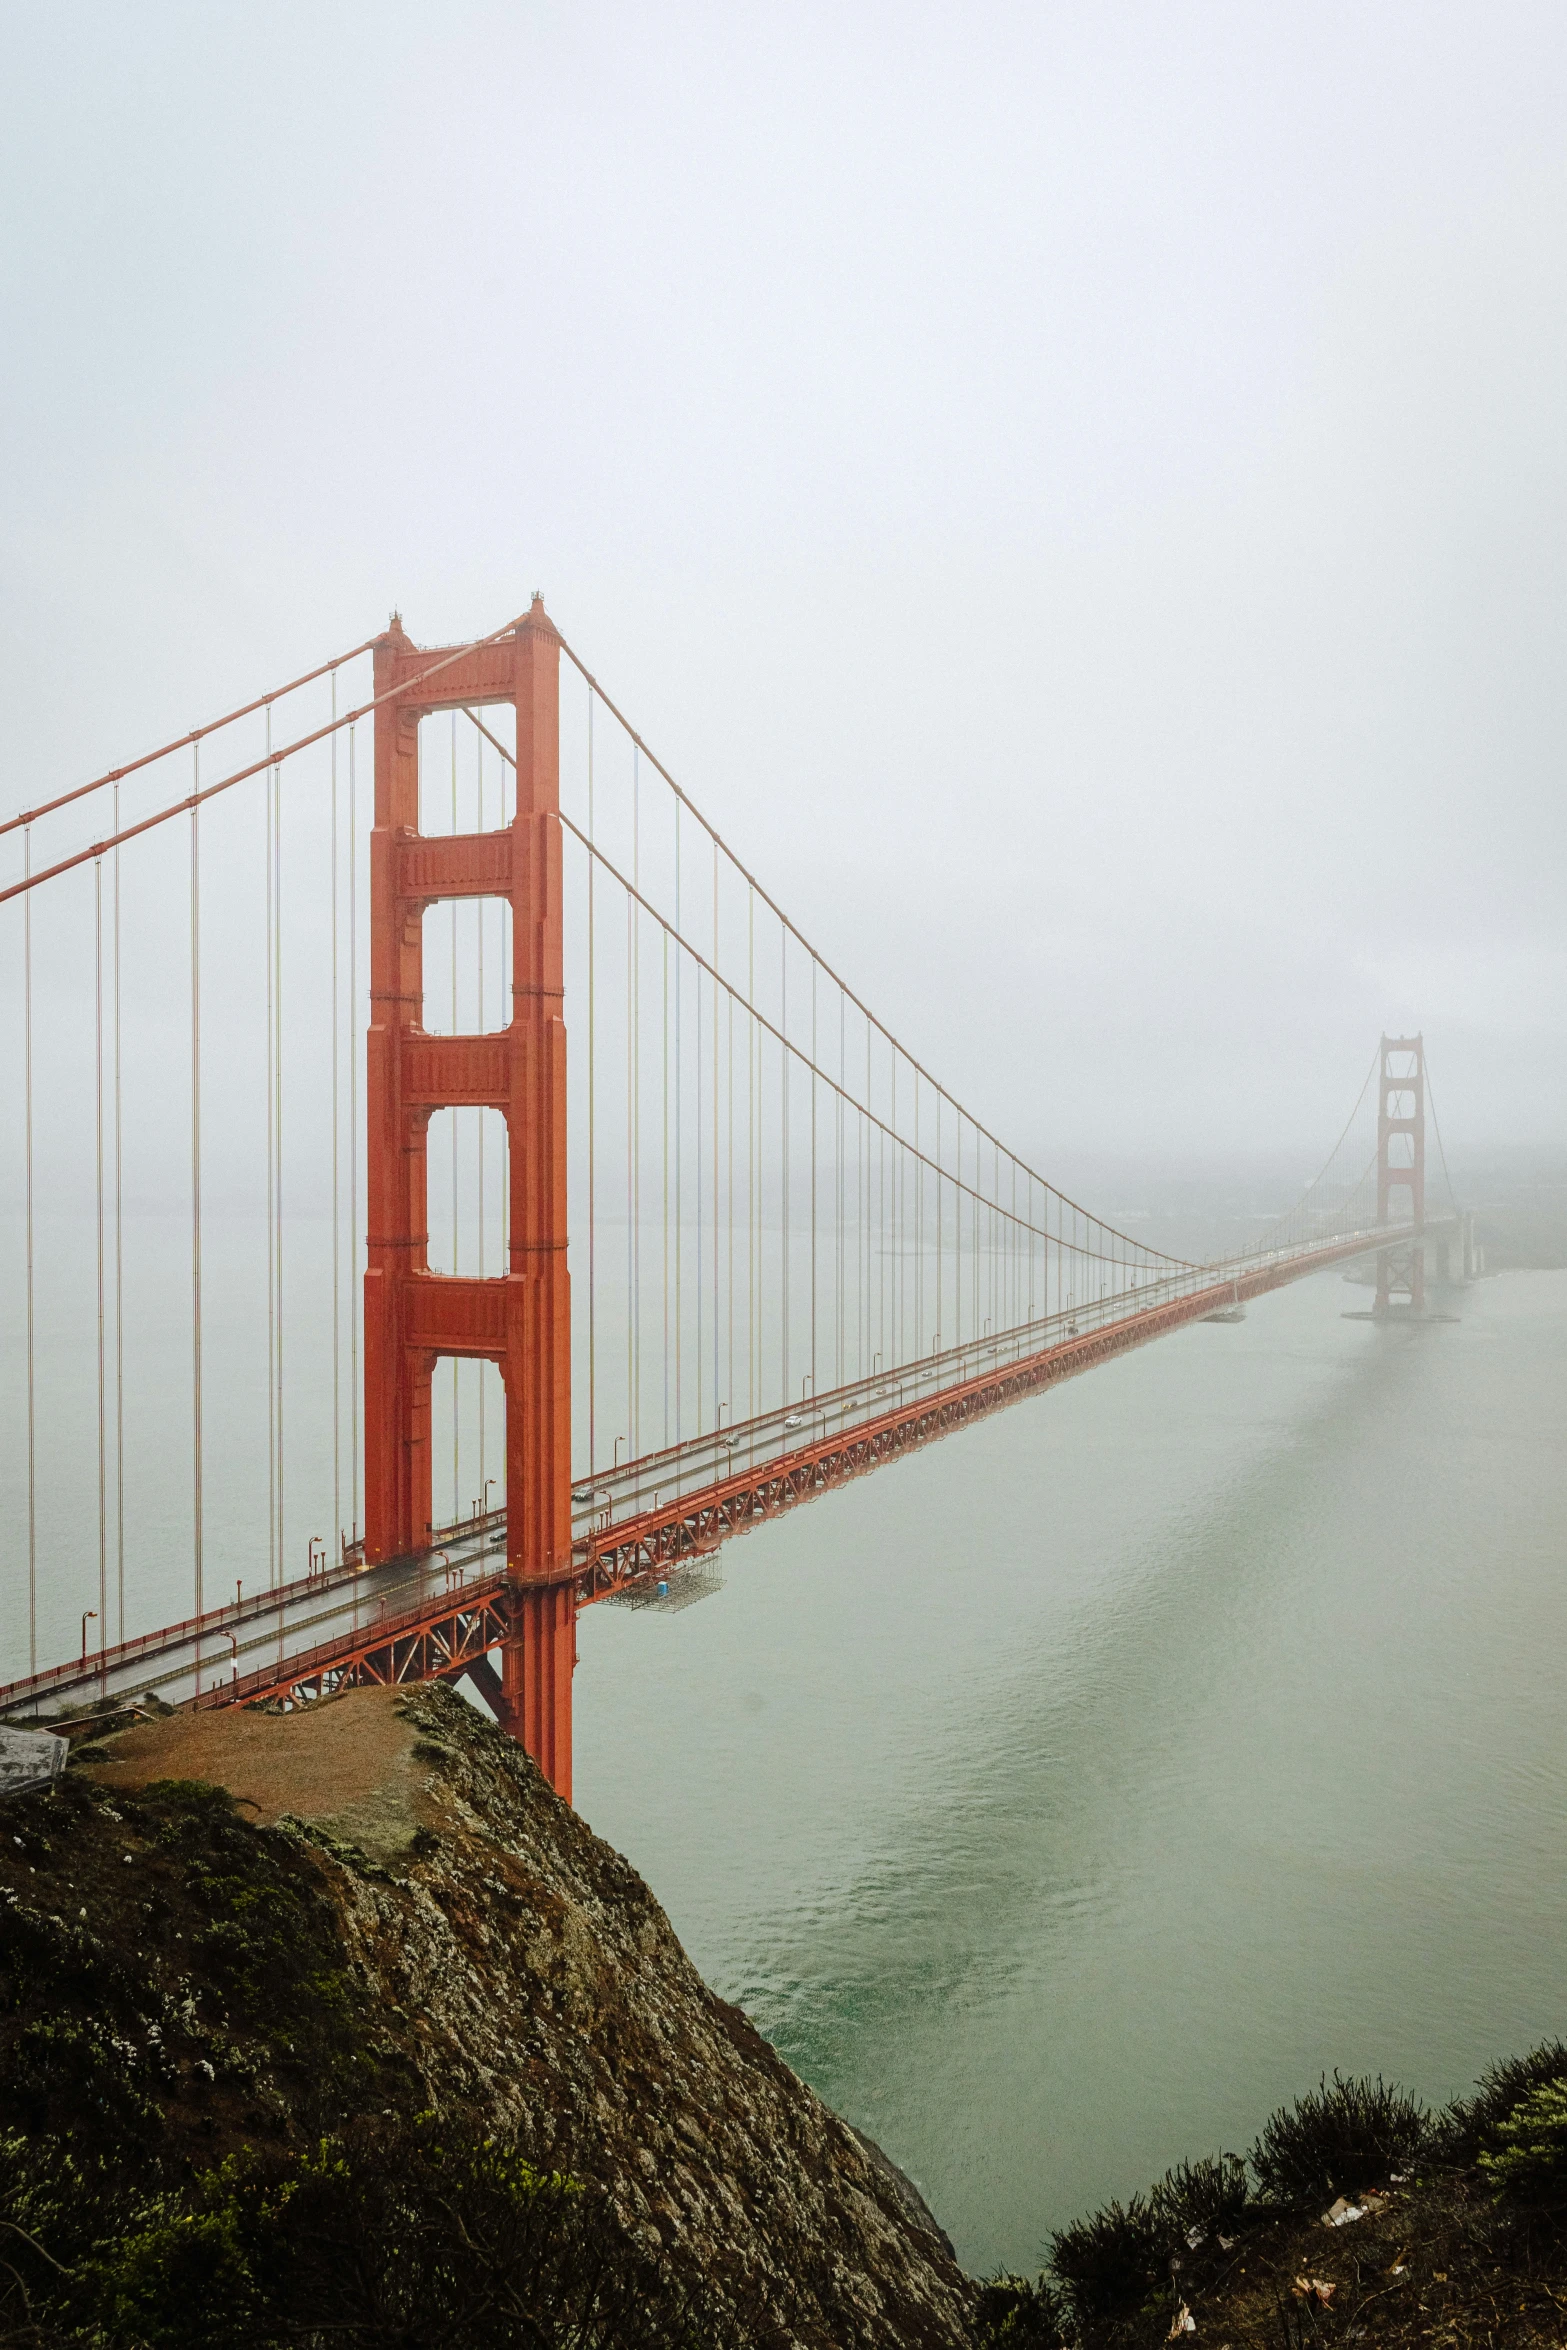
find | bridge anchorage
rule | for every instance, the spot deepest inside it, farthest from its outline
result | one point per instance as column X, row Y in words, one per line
column 741, row 1247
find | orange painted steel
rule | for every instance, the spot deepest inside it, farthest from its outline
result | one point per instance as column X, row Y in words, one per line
column 434, row 1641
column 444, row 1635
column 521, row 1319
column 632, row 1550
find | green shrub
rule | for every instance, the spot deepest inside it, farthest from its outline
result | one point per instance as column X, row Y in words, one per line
column 393, row 2235
column 1015, row 2313
column 177, row 2279
column 401, row 2233
column 1528, row 2158
column 1469, row 2124
column 1112, row 2261
column 1206, row 2198
column 1341, row 2137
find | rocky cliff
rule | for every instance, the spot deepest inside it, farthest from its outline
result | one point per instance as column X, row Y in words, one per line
column 391, row 1912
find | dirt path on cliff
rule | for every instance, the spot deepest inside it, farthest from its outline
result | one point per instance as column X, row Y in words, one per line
column 347, row 1766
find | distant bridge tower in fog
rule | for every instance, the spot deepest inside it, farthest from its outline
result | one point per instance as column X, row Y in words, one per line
column 1401, row 1168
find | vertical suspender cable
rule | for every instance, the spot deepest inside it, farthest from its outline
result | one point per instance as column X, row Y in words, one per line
column 271, row 1180
column 631, row 1184
column 456, row 1262
column 813, row 1178
column 353, row 1131
column 993, row 1249
column 897, row 1253
column 908, row 1269
column 957, row 1239
column 869, row 1140
column 592, row 1156
column 900, row 1249
column 119, row 1262
column 337, row 1202
column 27, row 1154
column 1015, row 1307
column 918, row 1173
column 881, row 1246
column 679, row 1152
column 664, row 1092
column 700, row 1155
column 865, row 1211
column 729, row 1091
column 992, row 1231
column 752, row 1365
column 991, row 1228
column 277, row 1079
column 103, row 1466
column 838, row 1159
column 974, row 1230
column 787, row 1395
column 480, row 909
column 716, row 967
column 913, row 1302
column 900, row 1162
column 198, row 1512
column 634, row 1432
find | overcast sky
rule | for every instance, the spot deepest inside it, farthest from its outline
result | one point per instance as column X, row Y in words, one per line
column 1076, row 492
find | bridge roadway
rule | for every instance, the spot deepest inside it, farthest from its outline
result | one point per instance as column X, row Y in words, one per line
column 438, row 1613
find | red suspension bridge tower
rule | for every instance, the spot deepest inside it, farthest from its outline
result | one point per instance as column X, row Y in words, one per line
column 521, row 1319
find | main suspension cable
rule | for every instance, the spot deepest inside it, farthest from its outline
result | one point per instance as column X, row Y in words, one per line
column 795, row 932
column 1437, row 1129
column 792, row 1051
column 117, row 775
column 1337, row 1147
column 273, row 758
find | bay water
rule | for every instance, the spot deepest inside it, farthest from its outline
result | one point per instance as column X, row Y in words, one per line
column 1065, row 1797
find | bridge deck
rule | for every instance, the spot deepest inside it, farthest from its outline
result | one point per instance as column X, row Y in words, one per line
column 436, row 1613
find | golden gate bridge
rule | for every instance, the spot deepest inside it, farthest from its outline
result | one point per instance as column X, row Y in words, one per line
column 367, row 1305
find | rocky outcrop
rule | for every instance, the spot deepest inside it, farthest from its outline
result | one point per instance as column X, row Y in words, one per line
column 517, row 1970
